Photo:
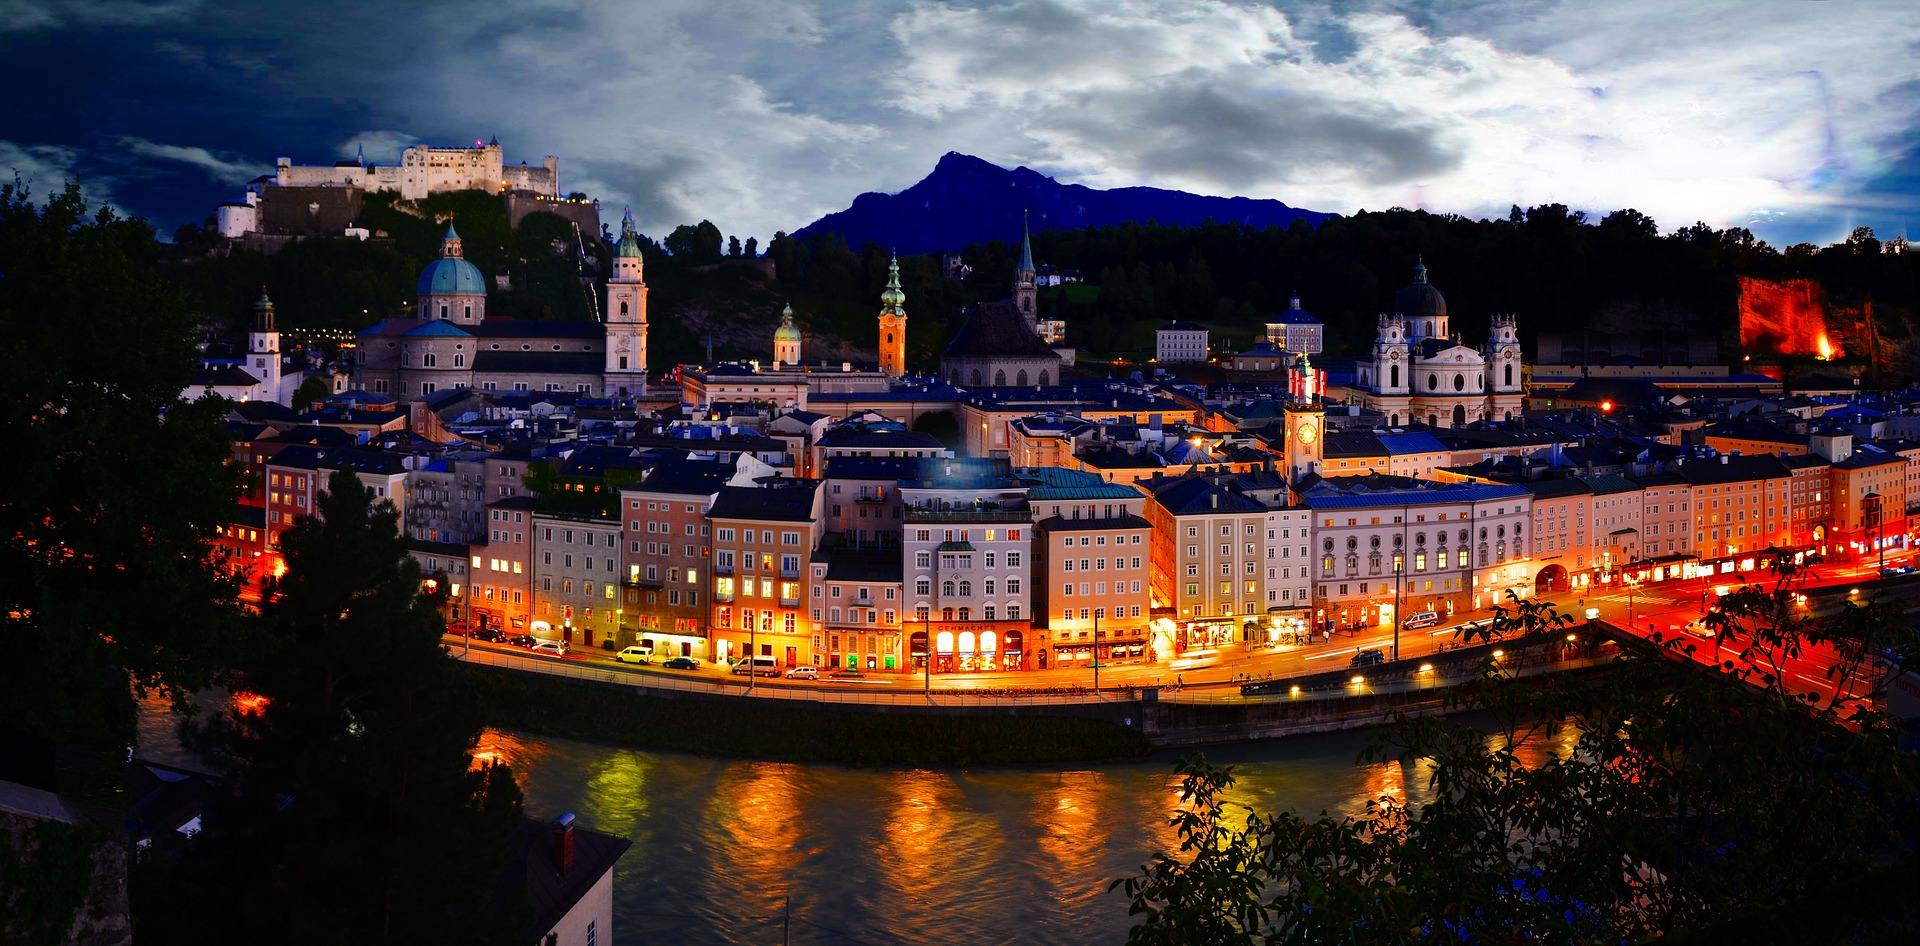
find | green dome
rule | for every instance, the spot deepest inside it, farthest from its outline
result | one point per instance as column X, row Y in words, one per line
column 629, row 245
column 892, row 297
column 787, row 332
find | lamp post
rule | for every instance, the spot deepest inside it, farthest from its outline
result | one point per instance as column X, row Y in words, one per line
column 1399, row 568
column 753, row 629
column 1871, row 503
column 1096, row 651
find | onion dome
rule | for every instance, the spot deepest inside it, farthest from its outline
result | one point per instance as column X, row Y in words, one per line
column 450, row 274
column 892, row 297
column 629, row 245
column 787, row 332
column 1419, row 298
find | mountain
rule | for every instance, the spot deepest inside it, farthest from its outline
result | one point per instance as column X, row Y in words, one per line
column 967, row 200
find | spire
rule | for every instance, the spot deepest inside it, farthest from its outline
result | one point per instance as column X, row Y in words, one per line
column 629, row 244
column 1026, row 246
column 892, row 299
column 1419, row 269
column 360, row 154
column 450, row 243
column 1294, row 301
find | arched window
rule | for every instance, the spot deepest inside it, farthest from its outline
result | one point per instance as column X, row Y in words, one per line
column 976, row 377
column 466, row 313
column 1509, row 381
column 623, row 308
column 1428, row 331
column 946, row 588
column 1395, row 371
column 1000, row 378
column 966, row 614
column 459, row 361
column 889, row 338
column 428, row 360
column 1021, row 378
column 943, row 641
column 1043, row 379
column 1459, row 415
column 1459, row 382
column 966, row 589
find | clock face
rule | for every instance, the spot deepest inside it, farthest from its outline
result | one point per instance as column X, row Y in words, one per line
column 1308, row 431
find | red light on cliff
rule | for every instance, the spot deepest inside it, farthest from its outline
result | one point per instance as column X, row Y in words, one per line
column 249, row 704
column 1826, row 347
column 1606, row 407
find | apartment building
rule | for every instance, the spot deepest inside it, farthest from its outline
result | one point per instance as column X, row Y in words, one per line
column 576, row 575
column 1208, row 559
column 856, row 597
column 966, row 554
column 763, row 536
column 500, row 569
column 668, row 549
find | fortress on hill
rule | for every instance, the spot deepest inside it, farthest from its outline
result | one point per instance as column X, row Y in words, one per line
column 424, row 170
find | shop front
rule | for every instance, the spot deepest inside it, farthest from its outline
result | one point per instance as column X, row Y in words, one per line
column 864, row 648
column 969, row 646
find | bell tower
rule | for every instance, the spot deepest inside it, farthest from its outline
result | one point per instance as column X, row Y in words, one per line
column 893, row 323
column 626, row 315
column 1026, row 291
column 263, row 348
column 1306, row 421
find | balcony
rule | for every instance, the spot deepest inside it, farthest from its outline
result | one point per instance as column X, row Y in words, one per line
column 789, row 602
column 969, row 514
column 720, row 569
column 790, row 574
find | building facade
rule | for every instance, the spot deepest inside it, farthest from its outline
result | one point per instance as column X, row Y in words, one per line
column 1419, row 372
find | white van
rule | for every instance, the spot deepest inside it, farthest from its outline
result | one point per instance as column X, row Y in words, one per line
column 757, row 666
column 1421, row 619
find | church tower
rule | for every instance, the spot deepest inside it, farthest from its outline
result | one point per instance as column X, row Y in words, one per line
column 626, row 315
column 893, row 323
column 1306, row 422
column 263, row 348
column 786, row 340
column 1026, row 292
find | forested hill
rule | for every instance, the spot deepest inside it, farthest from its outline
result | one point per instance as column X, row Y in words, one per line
column 966, row 200
column 1555, row 269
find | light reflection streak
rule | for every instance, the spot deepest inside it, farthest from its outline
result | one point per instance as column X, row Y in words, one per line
column 1074, row 828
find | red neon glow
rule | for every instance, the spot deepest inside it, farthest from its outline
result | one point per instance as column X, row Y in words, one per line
column 1785, row 318
column 249, row 704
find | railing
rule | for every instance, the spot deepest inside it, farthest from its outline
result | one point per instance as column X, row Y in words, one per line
column 722, row 569
column 918, row 514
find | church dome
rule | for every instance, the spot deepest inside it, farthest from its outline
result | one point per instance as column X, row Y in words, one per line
column 628, row 246
column 787, row 332
column 1419, row 298
column 450, row 274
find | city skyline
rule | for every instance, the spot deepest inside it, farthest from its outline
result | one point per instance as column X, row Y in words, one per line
column 767, row 119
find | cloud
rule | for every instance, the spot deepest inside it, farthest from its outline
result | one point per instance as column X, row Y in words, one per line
column 1680, row 112
column 380, row 146
column 22, row 15
column 47, row 169
column 232, row 169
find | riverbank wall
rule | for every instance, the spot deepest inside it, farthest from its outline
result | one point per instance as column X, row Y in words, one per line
column 943, row 728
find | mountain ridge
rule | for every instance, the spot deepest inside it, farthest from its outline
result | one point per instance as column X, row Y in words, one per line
column 968, row 200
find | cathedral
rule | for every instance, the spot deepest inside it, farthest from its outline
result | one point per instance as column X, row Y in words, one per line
column 450, row 343
column 1007, row 344
column 1421, row 373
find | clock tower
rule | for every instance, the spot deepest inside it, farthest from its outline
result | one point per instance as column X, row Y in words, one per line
column 1306, row 424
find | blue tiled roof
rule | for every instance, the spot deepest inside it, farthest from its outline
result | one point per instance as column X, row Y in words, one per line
column 439, row 328
column 1450, row 493
column 451, row 274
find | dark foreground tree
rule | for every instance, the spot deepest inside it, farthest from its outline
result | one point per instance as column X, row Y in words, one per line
column 114, row 490
column 1664, row 800
column 358, row 814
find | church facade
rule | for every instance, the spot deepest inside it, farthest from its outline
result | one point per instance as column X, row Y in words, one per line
column 1419, row 372
column 450, row 343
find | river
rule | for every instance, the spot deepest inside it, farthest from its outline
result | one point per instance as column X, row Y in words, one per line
column 883, row 856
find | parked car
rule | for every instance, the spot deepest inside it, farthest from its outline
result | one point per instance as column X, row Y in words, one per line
column 680, row 663
column 519, row 640
column 847, row 675
column 804, row 673
column 457, row 628
column 556, row 646
column 1422, row 619
column 1368, row 658
column 488, row 634
column 635, row 655
column 757, row 666
column 1895, row 571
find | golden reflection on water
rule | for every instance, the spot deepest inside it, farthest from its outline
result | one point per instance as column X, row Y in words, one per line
column 917, row 846
column 519, row 750
column 616, row 795
column 757, row 813
column 1074, row 829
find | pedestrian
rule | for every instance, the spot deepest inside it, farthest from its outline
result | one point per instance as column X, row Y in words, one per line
column 1179, row 679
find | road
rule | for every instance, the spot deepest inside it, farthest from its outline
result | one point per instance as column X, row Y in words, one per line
column 1669, row 609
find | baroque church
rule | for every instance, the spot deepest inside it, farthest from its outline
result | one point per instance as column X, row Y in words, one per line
column 1421, row 373
column 450, row 343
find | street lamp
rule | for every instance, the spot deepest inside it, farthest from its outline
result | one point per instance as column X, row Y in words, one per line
column 1096, row 652
column 1870, row 503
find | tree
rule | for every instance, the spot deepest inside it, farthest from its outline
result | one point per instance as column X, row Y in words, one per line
column 733, row 246
column 1665, row 798
column 101, row 581
column 315, row 388
column 358, row 814
column 753, row 246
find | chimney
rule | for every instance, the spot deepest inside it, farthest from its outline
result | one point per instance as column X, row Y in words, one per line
column 1723, row 459
column 1213, row 500
column 565, row 839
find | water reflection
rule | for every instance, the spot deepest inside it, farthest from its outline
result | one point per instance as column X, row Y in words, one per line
column 755, row 817
column 1073, row 830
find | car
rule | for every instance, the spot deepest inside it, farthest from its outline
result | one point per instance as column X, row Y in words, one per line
column 847, row 675
column 457, row 628
column 1368, row 658
column 1422, row 619
column 762, row 666
column 804, row 673
column 680, row 663
column 550, row 645
column 635, row 655
column 1700, row 627
column 489, row 635
column 519, row 640
column 1895, row 571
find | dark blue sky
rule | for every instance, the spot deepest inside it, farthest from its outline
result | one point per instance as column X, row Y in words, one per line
column 1796, row 120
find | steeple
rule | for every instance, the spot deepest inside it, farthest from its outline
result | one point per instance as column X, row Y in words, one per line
column 263, row 320
column 629, row 245
column 893, row 322
column 1026, row 246
column 450, row 243
column 627, row 314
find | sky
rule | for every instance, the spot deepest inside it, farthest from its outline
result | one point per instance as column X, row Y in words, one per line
column 1797, row 120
